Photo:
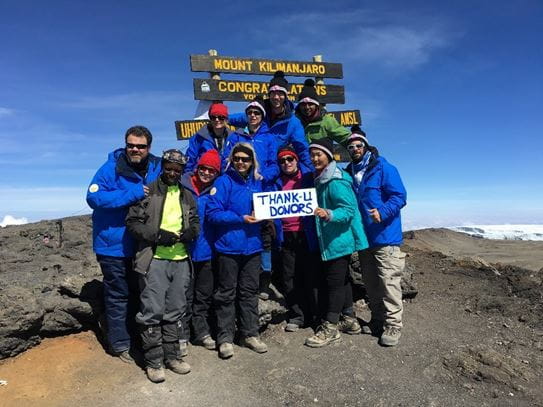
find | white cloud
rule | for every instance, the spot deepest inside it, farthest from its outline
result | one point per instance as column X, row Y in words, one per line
column 4, row 112
column 10, row 220
column 388, row 40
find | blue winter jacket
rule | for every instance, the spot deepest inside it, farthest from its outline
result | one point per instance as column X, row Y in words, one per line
column 307, row 221
column 202, row 248
column 230, row 199
column 288, row 130
column 382, row 188
column 199, row 143
column 113, row 189
column 265, row 147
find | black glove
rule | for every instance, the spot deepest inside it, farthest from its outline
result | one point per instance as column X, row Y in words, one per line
column 166, row 238
column 187, row 236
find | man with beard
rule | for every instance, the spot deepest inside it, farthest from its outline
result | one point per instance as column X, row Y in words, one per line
column 119, row 183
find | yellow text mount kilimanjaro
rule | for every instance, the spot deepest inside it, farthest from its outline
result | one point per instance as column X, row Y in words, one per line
column 206, row 63
column 214, row 89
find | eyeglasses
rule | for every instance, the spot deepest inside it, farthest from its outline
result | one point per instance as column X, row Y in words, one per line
column 130, row 146
column 254, row 113
column 238, row 159
column 287, row 159
column 353, row 146
column 221, row 118
column 210, row 171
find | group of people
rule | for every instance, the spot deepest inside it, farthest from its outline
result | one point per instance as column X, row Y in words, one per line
column 185, row 259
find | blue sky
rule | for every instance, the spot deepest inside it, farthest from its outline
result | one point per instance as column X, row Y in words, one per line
column 451, row 94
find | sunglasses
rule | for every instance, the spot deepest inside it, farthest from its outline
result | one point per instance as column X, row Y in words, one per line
column 221, row 118
column 353, row 146
column 238, row 159
column 130, row 146
column 211, row 171
column 254, row 113
column 287, row 159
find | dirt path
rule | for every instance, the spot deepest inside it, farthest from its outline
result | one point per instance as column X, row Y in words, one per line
column 466, row 342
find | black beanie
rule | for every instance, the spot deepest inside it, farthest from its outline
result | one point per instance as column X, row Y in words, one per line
column 309, row 93
column 279, row 83
column 326, row 145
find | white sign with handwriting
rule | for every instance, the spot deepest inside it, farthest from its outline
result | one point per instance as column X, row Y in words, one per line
column 285, row 204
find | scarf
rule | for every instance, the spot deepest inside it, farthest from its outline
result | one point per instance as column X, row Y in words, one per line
column 358, row 169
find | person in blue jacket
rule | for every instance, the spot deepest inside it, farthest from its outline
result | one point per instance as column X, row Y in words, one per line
column 281, row 120
column 200, row 183
column 340, row 233
column 211, row 136
column 238, row 243
column 265, row 145
column 258, row 134
column 119, row 183
column 381, row 196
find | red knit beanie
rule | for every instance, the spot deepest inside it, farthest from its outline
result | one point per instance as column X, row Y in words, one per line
column 218, row 109
column 210, row 159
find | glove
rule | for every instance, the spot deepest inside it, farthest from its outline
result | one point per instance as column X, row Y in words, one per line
column 187, row 237
column 166, row 238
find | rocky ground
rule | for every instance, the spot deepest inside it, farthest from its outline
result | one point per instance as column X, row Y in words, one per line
column 473, row 335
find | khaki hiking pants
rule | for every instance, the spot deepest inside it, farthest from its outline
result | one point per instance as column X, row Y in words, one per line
column 382, row 269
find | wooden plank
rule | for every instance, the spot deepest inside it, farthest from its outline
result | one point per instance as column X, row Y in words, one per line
column 347, row 118
column 211, row 89
column 186, row 128
column 252, row 66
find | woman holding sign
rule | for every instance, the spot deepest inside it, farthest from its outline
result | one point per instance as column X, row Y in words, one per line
column 340, row 233
column 238, row 244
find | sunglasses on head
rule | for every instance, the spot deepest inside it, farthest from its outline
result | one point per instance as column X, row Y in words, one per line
column 238, row 158
column 353, row 146
column 130, row 146
column 254, row 113
column 287, row 159
column 221, row 118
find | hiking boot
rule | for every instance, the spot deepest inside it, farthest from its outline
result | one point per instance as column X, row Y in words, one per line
column 349, row 325
column 226, row 350
column 124, row 356
column 156, row 375
column 325, row 334
column 183, row 348
column 178, row 366
column 207, row 342
column 374, row 327
column 292, row 327
column 390, row 336
column 254, row 343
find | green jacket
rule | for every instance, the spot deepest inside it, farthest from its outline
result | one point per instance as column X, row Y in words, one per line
column 326, row 126
column 343, row 234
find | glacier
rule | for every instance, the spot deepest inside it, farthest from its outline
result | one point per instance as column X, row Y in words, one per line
column 503, row 232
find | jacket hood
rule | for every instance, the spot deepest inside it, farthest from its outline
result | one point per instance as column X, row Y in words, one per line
column 331, row 172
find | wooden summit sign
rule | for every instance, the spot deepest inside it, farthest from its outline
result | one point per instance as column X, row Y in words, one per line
column 219, row 89
column 186, row 128
column 251, row 66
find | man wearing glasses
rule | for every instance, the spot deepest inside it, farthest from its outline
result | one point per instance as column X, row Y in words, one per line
column 210, row 137
column 119, row 183
column 381, row 195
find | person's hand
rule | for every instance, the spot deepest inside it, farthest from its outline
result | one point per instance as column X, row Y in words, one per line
column 145, row 190
column 166, row 238
column 375, row 215
column 251, row 218
column 322, row 213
